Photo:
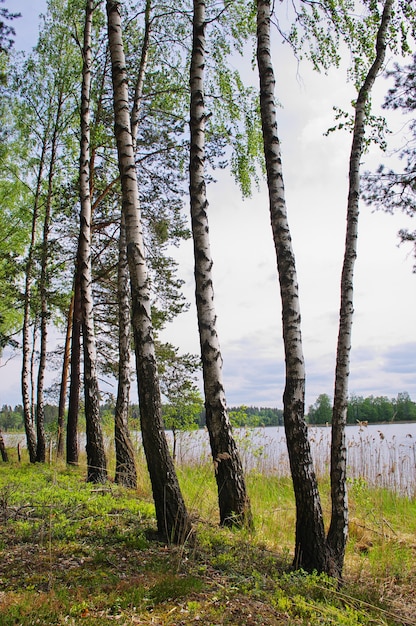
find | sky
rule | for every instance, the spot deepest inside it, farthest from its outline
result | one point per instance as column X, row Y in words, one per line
column 247, row 300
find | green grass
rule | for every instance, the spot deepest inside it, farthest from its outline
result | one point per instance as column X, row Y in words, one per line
column 74, row 553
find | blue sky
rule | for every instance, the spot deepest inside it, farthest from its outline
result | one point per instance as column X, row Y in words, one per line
column 383, row 360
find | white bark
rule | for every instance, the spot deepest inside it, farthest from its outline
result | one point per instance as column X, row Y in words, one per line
column 172, row 517
column 310, row 548
column 26, row 364
column 125, row 465
column 97, row 471
column 43, row 289
column 233, row 499
column 337, row 535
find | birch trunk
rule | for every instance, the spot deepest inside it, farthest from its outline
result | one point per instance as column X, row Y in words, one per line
column 72, row 452
column 72, row 356
column 64, row 381
column 3, row 451
column 233, row 500
column 125, row 465
column 172, row 518
column 96, row 460
column 26, row 364
column 338, row 531
column 126, row 473
column 310, row 544
column 43, row 288
column 138, row 90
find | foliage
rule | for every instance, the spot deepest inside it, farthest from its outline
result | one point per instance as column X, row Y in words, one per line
column 183, row 412
column 6, row 31
column 233, row 120
column 29, row 120
column 373, row 409
column 178, row 386
column 72, row 553
column 189, row 413
column 381, row 409
column 11, row 419
column 318, row 32
column 15, row 222
column 252, row 417
column 321, row 411
column 388, row 189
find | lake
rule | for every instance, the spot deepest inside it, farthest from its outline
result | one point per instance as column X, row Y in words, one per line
column 383, row 455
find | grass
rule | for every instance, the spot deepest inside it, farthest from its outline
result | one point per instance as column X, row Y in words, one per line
column 74, row 553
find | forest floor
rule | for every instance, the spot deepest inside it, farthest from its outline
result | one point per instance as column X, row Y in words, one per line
column 74, row 553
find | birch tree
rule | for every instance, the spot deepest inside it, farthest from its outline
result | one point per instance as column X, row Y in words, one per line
column 26, row 353
column 96, row 460
column 338, row 530
column 42, row 125
column 313, row 550
column 44, row 282
column 126, row 473
column 72, row 451
column 64, row 383
column 310, row 542
column 233, row 499
column 172, row 518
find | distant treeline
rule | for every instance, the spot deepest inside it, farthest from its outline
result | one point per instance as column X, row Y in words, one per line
column 11, row 419
column 373, row 409
column 240, row 416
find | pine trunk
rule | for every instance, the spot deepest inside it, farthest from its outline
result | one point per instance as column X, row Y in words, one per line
column 338, row 530
column 125, row 465
column 233, row 500
column 96, row 460
column 310, row 543
column 171, row 514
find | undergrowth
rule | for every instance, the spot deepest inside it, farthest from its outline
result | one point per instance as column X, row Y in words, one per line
column 75, row 553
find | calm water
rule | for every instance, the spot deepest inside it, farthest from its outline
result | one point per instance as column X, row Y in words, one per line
column 383, row 455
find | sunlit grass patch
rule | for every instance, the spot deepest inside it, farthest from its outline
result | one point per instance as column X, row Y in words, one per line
column 75, row 553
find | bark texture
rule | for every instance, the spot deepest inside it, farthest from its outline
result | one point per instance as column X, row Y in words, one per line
column 26, row 351
column 138, row 89
column 72, row 448
column 172, row 517
column 64, row 381
column 43, row 289
column 310, row 544
column 3, row 451
column 234, row 504
column 96, row 460
column 338, row 531
column 126, row 473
